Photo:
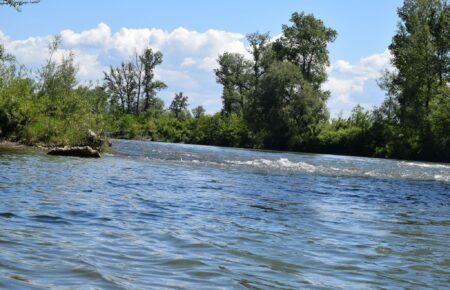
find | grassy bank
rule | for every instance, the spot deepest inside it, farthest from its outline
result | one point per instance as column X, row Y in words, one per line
column 48, row 111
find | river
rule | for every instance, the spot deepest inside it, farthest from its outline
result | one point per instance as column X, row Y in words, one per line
column 156, row 215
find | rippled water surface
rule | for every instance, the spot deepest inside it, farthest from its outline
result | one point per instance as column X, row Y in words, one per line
column 153, row 215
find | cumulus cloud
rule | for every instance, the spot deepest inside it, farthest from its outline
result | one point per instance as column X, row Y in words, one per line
column 97, row 37
column 349, row 83
column 189, row 59
column 189, row 56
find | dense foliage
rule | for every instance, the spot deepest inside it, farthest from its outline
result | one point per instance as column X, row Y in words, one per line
column 273, row 100
column 51, row 110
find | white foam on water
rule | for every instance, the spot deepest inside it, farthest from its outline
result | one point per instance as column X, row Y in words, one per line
column 440, row 177
column 287, row 165
column 282, row 163
column 425, row 165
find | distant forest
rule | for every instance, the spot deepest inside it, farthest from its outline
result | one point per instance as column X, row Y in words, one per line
column 275, row 100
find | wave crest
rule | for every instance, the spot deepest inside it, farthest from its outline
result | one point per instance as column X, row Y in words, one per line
column 282, row 163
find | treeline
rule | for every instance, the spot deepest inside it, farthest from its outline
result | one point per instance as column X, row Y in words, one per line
column 274, row 100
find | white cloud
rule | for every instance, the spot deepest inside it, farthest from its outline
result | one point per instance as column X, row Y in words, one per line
column 3, row 37
column 97, row 37
column 348, row 82
column 342, row 88
column 189, row 56
column 189, row 60
column 89, row 66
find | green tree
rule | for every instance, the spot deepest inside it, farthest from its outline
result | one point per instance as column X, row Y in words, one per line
column 198, row 112
column 262, row 57
column 57, row 78
column 233, row 74
column 304, row 43
column 291, row 107
column 420, row 51
column 259, row 43
column 288, row 104
column 114, row 86
column 151, row 86
column 132, row 87
column 179, row 106
column 8, row 66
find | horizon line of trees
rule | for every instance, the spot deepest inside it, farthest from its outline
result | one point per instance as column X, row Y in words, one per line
column 274, row 100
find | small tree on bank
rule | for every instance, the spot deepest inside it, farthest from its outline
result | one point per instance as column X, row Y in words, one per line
column 198, row 112
column 179, row 106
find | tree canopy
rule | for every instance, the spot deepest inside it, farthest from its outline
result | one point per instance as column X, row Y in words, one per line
column 418, row 88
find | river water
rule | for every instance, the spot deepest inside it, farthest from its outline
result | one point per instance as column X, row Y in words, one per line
column 155, row 215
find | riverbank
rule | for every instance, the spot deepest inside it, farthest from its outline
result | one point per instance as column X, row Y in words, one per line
column 91, row 149
column 6, row 145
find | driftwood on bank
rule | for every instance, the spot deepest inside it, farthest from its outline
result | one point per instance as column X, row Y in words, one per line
column 78, row 151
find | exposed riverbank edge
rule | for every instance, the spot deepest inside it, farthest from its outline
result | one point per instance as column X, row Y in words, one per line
column 14, row 145
column 76, row 151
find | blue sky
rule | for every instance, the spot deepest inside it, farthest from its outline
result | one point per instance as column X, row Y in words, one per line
column 365, row 29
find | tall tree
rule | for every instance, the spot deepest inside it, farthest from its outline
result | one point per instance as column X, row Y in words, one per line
column 134, row 80
column 130, row 86
column 113, row 83
column 420, row 51
column 291, row 108
column 150, row 60
column 291, row 105
column 233, row 73
column 305, row 43
column 258, row 42
column 138, row 67
column 8, row 66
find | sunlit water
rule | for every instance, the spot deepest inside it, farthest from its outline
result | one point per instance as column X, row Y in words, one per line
column 153, row 215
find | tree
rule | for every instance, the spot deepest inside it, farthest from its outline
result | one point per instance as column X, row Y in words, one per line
column 278, row 92
column 113, row 84
column 360, row 118
column 287, row 102
column 260, row 48
column 304, row 43
column 420, row 51
column 138, row 67
column 198, row 112
column 233, row 74
column 132, row 81
column 179, row 106
column 291, row 107
column 259, row 43
column 130, row 86
column 150, row 60
column 57, row 79
column 17, row 4
column 8, row 68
